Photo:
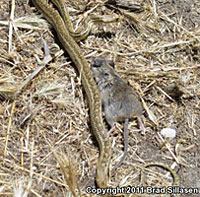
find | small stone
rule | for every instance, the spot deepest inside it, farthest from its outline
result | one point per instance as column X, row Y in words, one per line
column 168, row 133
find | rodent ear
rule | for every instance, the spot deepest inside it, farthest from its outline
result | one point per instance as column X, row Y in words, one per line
column 98, row 62
column 111, row 63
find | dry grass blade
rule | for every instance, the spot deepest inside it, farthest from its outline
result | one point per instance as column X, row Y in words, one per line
column 9, row 62
column 18, row 190
column 29, row 22
column 155, row 7
column 11, row 26
column 8, row 91
column 169, row 149
column 162, row 91
column 49, row 89
column 151, row 116
column 69, row 170
column 8, row 130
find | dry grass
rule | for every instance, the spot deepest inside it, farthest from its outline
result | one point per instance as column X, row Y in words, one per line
column 46, row 147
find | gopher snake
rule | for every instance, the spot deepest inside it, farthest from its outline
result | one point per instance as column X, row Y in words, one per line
column 89, row 85
column 63, row 27
column 93, row 19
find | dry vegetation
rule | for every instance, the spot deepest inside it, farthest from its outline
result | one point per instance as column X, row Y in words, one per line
column 46, row 147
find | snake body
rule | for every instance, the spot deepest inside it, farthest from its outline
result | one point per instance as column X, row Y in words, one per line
column 89, row 86
column 94, row 19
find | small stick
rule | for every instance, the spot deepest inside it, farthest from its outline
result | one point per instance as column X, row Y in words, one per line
column 8, row 129
column 11, row 26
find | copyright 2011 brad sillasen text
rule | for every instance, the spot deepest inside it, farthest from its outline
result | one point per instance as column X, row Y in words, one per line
column 142, row 190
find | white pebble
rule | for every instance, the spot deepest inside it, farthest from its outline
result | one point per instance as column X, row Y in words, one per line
column 168, row 133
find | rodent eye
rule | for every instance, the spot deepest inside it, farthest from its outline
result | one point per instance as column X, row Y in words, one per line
column 106, row 74
column 98, row 62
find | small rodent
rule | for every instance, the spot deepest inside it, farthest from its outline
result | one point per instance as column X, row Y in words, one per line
column 120, row 101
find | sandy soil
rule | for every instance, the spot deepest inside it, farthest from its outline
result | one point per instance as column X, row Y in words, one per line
column 155, row 47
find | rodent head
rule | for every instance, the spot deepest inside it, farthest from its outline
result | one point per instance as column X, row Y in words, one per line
column 99, row 62
column 103, row 70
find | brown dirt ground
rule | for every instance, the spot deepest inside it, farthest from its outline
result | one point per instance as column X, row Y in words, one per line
column 155, row 48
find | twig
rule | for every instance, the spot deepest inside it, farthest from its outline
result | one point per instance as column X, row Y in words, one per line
column 163, row 92
column 11, row 26
column 167, row 146
column 8, row 130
